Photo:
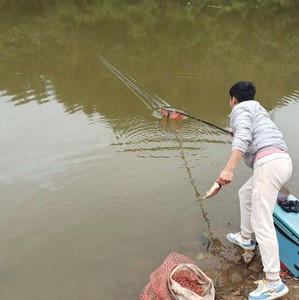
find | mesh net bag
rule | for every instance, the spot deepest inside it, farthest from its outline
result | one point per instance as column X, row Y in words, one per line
column 178, row 278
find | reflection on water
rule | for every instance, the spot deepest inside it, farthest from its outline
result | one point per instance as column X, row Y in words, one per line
column 172, row 124
column 209, row 50
column 97, row 188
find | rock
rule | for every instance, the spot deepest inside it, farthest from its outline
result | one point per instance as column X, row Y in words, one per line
column 231, row 297
column 237, row 259
column 256, row 265
column 248, row 256
column 200, row 256
column 236, row 293
column 236, row 278
column 213, row 273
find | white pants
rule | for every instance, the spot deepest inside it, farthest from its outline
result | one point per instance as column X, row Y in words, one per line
column 257, row 201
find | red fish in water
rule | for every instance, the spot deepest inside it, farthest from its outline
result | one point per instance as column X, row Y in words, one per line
column 171, row 114
column 213, row 190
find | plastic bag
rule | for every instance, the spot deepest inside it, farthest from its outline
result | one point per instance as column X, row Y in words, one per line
column 177, row 278
column 188, row 282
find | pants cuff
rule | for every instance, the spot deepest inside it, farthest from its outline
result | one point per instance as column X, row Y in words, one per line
column 272, row 276
column 246, row 235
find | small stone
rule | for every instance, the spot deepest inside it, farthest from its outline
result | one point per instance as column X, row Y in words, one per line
column 237, row 259
column 256, row 265
column 248, row 256
column 200, row 256
column 236, row 293
column 236, row 278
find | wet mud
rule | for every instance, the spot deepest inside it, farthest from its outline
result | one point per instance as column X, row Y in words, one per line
column 235, row 280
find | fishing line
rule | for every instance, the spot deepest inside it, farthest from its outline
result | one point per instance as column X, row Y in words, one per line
column 172, row 113
column 128, row 82
column 212, row 245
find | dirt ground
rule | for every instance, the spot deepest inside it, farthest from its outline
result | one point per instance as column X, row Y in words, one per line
column 241, row 290
column 236, row 279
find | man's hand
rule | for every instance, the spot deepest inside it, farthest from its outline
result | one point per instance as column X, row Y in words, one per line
column 230, row 131
column 225, row 177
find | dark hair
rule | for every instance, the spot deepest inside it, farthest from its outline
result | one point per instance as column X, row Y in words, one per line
column 243, row 91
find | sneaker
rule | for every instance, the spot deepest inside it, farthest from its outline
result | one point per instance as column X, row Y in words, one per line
column 265, row 292
column 236, row 238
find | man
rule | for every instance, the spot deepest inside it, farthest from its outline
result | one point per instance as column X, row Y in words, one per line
column 258, row 140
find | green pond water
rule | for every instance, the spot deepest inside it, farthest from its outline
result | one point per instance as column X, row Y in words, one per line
column 96, row 188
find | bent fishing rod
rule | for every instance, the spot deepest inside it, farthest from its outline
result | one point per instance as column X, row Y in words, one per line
column 194, row 118
column 167, row 111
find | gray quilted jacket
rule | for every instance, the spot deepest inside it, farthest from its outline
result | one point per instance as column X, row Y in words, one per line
column 254, row 130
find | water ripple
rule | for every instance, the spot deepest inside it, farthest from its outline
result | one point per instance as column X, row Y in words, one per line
column 151, row 139
column 289, row 98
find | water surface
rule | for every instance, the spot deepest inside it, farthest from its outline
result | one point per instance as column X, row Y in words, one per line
column 96, row 189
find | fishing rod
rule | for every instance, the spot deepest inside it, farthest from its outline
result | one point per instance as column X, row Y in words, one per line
column 167, row 111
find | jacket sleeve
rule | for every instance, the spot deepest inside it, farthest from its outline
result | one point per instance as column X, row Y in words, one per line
column 242, row 127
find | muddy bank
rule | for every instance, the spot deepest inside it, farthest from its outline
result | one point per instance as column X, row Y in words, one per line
column 236, row 278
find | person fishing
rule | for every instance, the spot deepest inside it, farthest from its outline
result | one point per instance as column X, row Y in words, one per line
column 258, row 140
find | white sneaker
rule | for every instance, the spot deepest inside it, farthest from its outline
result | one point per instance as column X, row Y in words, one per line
column 265, row 292
column 236, row 238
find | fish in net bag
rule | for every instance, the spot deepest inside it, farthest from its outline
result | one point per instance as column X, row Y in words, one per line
column 178, row 278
